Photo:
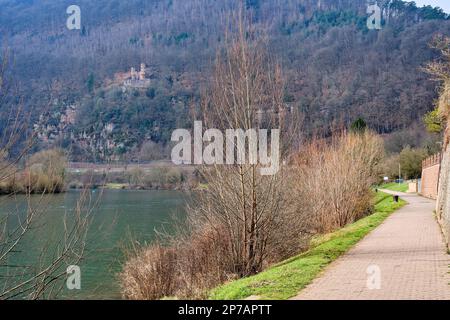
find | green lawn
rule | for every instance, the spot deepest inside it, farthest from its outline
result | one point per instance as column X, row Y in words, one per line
column 285, row 280
column 401, row 187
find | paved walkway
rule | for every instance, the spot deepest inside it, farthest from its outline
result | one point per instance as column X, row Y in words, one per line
column 407, row 252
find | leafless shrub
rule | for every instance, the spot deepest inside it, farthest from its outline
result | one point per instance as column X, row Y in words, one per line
column 150, row 273
column 203, row 261
column 186, row 267
column 334, row 179
column 45, row 172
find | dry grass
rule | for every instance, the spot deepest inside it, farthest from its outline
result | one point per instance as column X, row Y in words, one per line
column 150, row 274
column 186, row 268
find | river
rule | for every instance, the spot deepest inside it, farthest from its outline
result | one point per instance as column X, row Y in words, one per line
column 118, row 218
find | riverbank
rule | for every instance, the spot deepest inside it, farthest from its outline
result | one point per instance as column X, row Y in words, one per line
column 159, row 175
column 152, row 176
column 286, row 279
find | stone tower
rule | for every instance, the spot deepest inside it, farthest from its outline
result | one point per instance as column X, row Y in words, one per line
column 133, row 73
column 142, row 72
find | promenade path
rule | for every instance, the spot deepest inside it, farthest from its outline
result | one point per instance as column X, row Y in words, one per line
column 404, row 258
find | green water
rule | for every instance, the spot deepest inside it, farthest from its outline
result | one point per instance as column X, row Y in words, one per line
column 118, row 217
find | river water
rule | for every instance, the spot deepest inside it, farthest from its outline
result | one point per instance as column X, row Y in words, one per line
column 118, row 218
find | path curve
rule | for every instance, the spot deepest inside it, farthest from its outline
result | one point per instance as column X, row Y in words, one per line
column 408, row 253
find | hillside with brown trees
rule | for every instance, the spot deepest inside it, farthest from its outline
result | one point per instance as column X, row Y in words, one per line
column 337, row 70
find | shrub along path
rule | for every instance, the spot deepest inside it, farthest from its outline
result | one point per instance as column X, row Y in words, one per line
column 407, row 252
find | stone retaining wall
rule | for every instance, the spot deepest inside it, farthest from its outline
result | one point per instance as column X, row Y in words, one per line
column 443, row 201
column 431, row 168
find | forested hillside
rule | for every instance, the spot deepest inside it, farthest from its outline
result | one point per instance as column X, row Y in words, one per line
column 337, row 70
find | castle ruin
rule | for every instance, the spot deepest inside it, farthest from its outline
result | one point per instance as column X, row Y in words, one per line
column 138, row 79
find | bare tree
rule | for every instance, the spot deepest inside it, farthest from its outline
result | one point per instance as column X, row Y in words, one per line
column 251, row 208
column 440, row 71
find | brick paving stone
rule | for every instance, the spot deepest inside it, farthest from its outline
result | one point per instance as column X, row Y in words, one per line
column 407, row 249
